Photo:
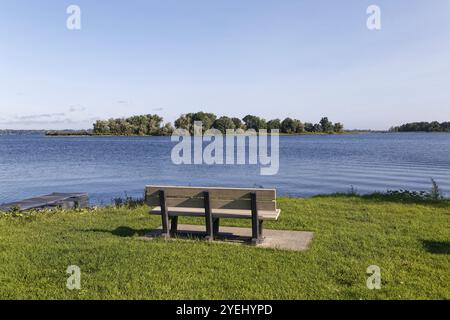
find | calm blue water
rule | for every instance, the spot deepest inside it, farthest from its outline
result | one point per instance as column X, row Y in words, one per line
column 107, row 167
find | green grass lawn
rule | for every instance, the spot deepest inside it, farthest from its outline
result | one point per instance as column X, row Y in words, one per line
column 410, row 242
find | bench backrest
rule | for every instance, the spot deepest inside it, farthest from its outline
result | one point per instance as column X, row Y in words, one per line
column 221, row 198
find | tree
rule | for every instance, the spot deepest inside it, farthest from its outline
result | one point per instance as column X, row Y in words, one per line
column 187, row 121
column 101, row 127
column 309, row 127
column 138, row 125
column 254, row 122
column 299, row 126
column 393, row 129
column 317, row 128
column 274, row 124
column 184, row 122
column 327, row 126
column 120, row 127
column 434, row 127
column 224, row 123
column 153, row 122
column 237, row 123
column 338, row 127
column 207, row 119
column 135, row 125
column 166, row 130
column 445, row 126
column 289, row 126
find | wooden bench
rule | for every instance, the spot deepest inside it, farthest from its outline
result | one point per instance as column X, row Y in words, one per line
column 212, row 204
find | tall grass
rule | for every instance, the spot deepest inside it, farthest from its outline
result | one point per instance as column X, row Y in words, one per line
column 128, row 202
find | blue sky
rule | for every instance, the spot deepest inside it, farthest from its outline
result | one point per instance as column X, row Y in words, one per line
column 302, row 59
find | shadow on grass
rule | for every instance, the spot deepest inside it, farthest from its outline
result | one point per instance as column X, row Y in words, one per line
column 127, row 232
column 395, row 198
column 436, row 247
column 122, row 231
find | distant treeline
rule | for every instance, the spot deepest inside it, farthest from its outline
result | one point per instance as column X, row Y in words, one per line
column 69, row 133
column 423, row 127
column 145, row 125
column 20, row 132
column 153, row 125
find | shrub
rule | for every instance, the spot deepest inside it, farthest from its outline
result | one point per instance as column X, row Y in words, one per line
column 128, row 202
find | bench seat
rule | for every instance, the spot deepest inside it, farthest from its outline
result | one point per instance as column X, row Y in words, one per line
column 218, row 213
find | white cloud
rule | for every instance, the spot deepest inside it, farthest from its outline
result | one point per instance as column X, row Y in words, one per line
column 76, row 108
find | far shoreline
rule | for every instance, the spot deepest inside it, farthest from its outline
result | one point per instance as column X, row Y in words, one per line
column 82, row 133
column 280, row 134
column 76, row 134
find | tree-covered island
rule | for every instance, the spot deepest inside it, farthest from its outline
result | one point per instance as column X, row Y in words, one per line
column 433, row 126
column 153, row 125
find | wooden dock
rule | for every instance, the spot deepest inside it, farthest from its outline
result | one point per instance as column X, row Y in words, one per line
column 54, row 200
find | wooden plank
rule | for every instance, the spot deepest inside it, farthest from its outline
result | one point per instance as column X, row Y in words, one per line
column 214, row 192
column 221, row 198
column 177, row 202
column 219, row 213
column 217, row 204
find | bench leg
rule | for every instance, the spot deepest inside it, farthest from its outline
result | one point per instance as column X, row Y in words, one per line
column 256, row 223
column 164, row 214
column 208, row 217
column 261, row 234
column 173, row 225
column 216, row 224
column 165, row 225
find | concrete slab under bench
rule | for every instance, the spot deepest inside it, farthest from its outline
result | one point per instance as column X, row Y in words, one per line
column 275, row 239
